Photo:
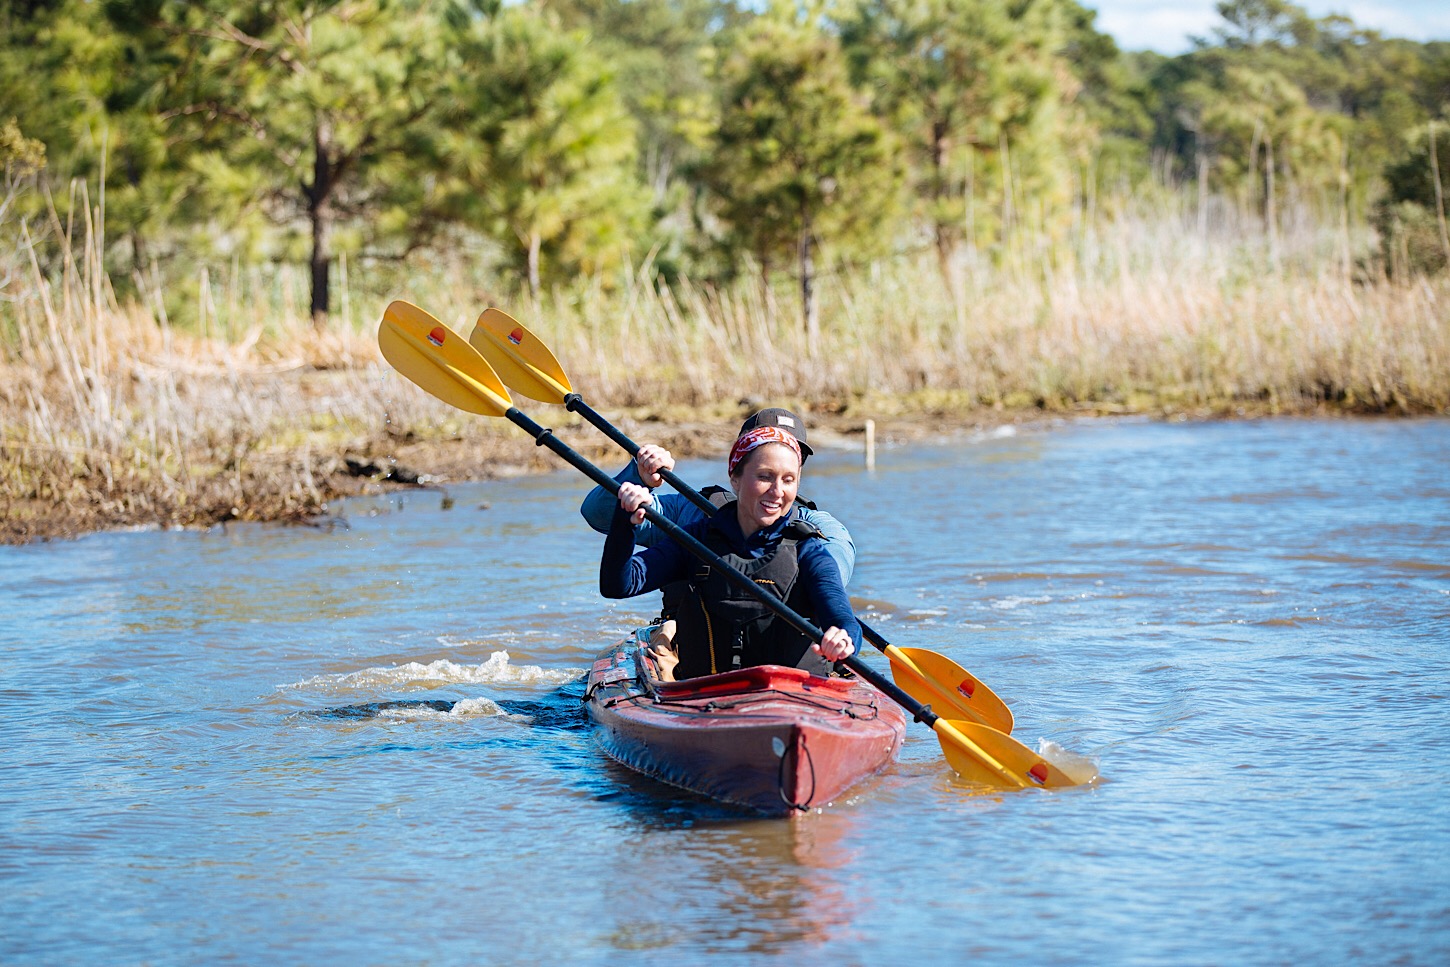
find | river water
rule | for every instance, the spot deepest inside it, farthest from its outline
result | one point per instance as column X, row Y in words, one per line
column 362, row 743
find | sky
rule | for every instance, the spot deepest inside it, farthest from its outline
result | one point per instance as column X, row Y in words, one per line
column 1165, row 25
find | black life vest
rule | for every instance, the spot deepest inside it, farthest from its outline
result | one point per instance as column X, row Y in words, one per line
column 674, row 594
column 720, row 627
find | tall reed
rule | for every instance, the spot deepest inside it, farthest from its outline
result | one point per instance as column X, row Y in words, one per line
column 109, row 406
column 109, row 412
column 1141, row 311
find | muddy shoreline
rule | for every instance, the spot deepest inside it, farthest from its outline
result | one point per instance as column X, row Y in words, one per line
column 302, row 489
column 302, row 486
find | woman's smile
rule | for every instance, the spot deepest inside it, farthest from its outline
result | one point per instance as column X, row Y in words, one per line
column 766, row 486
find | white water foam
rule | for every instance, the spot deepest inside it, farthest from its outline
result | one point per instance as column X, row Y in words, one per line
column 497, row 670
column 481, row 707
column 1012, row 603
column 1079, row 768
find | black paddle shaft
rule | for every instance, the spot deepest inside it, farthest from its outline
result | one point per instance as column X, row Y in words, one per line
column 575, row 403
column 546, row 438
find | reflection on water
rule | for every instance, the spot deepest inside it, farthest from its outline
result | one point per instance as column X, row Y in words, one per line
column 767, row 882
column 365, row 742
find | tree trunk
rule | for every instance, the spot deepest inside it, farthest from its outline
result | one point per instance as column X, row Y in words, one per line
column 1346, row 257
column 767, row 294
column 809, row 310
column 945, row 244
column 1202, row 195
column 1439, row 194
column 945, row 249
column 969, row 193
column 1253, row 166
column 139, row 256
column 1271, row 217
column 1007, row 209
column 319, row 212
column 535, row 244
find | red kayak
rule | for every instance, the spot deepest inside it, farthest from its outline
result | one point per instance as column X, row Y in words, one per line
column 777, row 740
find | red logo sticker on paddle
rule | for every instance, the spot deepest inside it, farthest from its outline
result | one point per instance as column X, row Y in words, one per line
column 436, row 336
column 517, row 336
column 1039, row 773
column 967, row 687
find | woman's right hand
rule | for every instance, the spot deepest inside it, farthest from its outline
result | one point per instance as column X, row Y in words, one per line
column 835, row 645
column 633, row 499
column 651, row 460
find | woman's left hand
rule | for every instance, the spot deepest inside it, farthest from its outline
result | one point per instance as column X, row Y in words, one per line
column 834, row 645
column 634, row 499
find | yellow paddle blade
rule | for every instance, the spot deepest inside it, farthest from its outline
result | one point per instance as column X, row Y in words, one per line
column 523, row 362
column 952, row 691
column 980, row 753
column 440, row 361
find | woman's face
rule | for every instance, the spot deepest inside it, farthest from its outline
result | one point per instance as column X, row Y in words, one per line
column 765, row 483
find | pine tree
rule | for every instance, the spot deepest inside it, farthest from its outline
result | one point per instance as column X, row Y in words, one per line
column 300, row 103
column 537, row 146
column 798, row 156
column 981, row 94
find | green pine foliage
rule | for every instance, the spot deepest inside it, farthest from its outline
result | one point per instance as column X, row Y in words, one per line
column 535, row 147
column 1411, row 218
column 698, row 139
column 799, row 163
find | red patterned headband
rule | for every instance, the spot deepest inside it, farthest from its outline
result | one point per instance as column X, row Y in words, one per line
column 759, row 437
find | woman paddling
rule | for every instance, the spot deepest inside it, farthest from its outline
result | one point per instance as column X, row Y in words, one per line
column 719, row 626
column 598, row 506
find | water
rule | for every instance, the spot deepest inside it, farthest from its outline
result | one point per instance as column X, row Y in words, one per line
column 363, row 743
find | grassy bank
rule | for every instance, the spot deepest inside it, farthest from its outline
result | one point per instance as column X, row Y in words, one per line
column 114, row 413
column 1137, row 315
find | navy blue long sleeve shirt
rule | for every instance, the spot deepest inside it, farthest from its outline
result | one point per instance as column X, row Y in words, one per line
column 623, row 574
column 599, row 505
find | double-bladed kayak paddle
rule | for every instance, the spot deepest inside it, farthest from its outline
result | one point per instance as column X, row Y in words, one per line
column 443, row 363
column 526, row 365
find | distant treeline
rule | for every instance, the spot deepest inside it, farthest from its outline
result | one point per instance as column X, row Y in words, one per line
column 698, row 138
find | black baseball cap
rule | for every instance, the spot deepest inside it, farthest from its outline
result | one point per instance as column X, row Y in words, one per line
column 782, row 418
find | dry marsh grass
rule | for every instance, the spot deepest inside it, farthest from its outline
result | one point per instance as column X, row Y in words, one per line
column 110, row 413
column 1136, row 315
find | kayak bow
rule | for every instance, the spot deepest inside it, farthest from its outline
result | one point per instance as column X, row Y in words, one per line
column 773, row 739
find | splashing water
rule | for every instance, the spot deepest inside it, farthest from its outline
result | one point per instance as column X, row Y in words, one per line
column 497, row 670
column 1080, row 768
column 1242, row 626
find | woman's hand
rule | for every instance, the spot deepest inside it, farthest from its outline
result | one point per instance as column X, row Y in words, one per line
column 633, row 499
column 651, row 460
column 834, row 645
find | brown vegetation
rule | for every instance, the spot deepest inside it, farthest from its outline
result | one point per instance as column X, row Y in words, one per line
column 113, row 416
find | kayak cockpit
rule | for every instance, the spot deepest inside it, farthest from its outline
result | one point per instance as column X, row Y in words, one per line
column 770, row 738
